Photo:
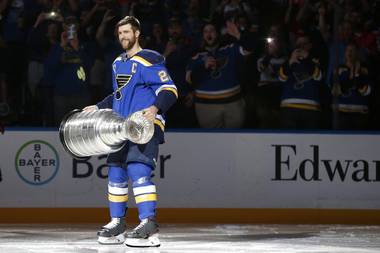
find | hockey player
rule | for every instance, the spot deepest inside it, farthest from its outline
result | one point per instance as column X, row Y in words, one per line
column 140, row 82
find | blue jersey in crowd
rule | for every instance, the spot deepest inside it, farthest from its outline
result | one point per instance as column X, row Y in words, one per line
column 301, row 86
column 65, row 69
column 220, row 85
column 355, row 90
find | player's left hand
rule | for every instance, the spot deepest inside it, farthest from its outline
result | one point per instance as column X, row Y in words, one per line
column 150, row 112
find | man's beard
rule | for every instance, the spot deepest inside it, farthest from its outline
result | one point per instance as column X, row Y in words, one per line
column 131, row 43
column 210, row 43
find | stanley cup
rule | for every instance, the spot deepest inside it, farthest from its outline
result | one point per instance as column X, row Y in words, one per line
column 87, row 133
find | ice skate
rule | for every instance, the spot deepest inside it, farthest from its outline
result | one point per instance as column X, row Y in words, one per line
column 113, row 232
column 144, row 235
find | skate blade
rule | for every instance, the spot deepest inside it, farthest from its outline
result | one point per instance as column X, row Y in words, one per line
column 119, row 239
column 151, row 241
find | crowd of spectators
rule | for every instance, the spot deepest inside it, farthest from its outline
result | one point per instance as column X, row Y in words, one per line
column 273, row 64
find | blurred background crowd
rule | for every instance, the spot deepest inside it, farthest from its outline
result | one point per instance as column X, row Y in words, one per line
column 273, row 64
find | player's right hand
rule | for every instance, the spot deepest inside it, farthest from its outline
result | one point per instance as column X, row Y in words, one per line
column 90, row 108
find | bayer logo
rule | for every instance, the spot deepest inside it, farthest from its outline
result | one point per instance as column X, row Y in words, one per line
column 37, row 162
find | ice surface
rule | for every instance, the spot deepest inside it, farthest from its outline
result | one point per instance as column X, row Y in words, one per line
column 222, row 238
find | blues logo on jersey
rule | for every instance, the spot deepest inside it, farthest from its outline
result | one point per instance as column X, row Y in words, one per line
column 121, row 81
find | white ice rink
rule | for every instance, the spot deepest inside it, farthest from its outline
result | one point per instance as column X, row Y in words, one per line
column 197, row 238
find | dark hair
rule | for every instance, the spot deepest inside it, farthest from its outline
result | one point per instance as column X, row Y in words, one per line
column 174, row 21
column 206, row 23
column 134, row 22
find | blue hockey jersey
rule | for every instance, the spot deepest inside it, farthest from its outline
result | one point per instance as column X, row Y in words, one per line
column 301, row 85
column 65, row 69
column 220, row 85
column 139, row 82
column 355, row 90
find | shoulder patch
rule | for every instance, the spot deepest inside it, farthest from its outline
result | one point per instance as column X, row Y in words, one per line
column 342, row 69
column 119, row 58
column 148, row 57
column 227, row 46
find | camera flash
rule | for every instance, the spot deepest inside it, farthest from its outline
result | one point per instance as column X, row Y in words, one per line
column 269, row 40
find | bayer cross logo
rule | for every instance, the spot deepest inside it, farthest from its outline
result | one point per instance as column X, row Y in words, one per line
column 37, row 162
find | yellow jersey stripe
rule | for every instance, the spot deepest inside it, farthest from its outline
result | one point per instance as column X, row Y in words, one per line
column 141, row 60
column 116, row 198
column 172, row 90
column 146, row 197
column 301, row 106
column 316, row 73
column 363, row 111
column 282, row 74
column 160, row 124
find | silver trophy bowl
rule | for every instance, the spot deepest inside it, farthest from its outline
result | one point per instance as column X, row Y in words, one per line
column 97, row 132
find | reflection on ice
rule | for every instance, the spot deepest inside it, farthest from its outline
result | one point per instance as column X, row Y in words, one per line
column 221, row 238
